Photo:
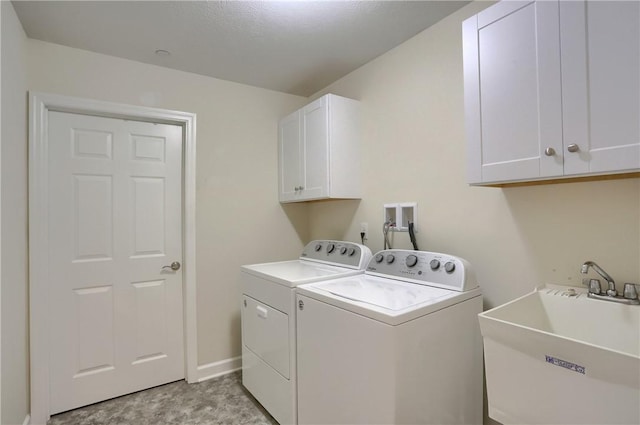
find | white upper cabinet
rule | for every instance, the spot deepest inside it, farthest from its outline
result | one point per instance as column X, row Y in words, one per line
column 319, row 151
column 552, row 90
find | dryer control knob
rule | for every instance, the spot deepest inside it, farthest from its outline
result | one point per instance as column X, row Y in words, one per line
column 318, row 247
column 390, row 258
column 434, row 264
column 343, row 250
column 411, row 260
column 449, row 266
column 352, row 251
column 330, row 248
column 379, row 258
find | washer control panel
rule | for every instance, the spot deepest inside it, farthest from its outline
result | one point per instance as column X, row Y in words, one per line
column 339, row 253
column 425, row 268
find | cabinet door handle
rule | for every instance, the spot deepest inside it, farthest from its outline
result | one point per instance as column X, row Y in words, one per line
column 549, row 151
column 262, row 312
column 573, row 148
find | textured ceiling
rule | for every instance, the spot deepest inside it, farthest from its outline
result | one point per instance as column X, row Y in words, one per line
column 297, row 47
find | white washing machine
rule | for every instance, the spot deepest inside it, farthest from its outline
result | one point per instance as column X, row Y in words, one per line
column 399, row 344
column 269, row 318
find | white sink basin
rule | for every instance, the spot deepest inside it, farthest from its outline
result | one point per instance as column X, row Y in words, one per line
column 552, row 358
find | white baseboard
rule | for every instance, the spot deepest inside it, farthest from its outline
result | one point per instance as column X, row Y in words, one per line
column 27, row 420
column 215, row 369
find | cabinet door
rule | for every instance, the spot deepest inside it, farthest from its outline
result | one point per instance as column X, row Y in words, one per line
column 289, row 154
column 315, row 154
column 601, row 85
column 512, row 92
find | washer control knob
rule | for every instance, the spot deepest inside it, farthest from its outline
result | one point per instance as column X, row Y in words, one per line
column 318, row 247
column 352, row 251
column 330, row 248
column 379, row 258
column 449, row 266
column 343, row 250
column 390, row 258
column 434, row 264
column 411, row 260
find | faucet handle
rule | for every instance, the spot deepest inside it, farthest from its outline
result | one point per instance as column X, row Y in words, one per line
column 594, row 286
column 630, row 291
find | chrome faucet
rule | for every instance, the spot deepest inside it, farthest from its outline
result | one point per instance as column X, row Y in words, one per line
column 630, row 295
column 611, row 291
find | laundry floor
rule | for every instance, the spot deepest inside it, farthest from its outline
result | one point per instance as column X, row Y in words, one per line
column 221, row 400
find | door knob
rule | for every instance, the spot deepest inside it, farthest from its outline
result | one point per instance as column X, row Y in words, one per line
column 175, row 266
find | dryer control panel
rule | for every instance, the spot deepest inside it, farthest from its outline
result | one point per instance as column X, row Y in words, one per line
column 425, row 268
column 339, row 253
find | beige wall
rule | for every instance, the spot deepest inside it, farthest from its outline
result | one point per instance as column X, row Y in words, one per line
column 415, row 150
column 15, row 348
column 238, row 217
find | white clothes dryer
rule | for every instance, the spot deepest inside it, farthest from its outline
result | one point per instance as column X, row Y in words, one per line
column 399, row 344
column 268, row 318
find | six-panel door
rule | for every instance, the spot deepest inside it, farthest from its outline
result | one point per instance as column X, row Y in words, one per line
column 115, row 203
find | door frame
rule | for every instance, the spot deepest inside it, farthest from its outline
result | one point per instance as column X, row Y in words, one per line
column 39, row 106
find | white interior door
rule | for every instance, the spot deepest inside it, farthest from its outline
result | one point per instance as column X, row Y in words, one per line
column 115, row 219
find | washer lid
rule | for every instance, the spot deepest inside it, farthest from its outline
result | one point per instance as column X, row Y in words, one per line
column 385, row 293
column 296, row 272
column 386, row 300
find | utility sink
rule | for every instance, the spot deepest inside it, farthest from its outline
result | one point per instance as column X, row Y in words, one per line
column 555, row 356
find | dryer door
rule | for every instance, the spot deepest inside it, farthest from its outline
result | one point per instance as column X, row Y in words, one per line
column 265, row 331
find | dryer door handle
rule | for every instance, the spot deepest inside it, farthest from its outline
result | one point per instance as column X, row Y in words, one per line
column 262, row 312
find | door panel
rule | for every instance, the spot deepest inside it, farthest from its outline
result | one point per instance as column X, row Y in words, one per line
column 508, row 74
column 115, row 206
column 601, row 85
column 92, row 144
column 512, row 80
column 95, row 354
column 315, row 128
column 147, row 199
column 289, row 145
column 92, row 215
column 150, row 298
